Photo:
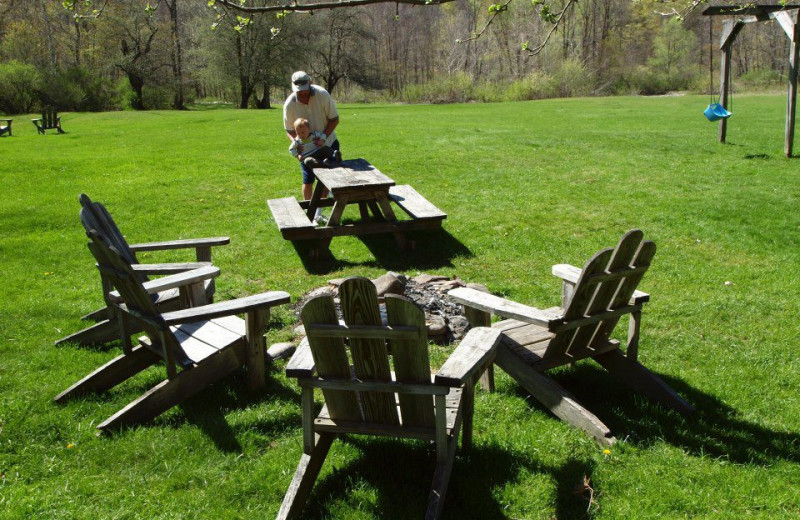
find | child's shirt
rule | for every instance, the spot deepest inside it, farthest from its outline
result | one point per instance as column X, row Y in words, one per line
column 305, row 147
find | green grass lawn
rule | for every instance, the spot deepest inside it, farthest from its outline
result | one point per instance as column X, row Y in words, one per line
column 525, row 186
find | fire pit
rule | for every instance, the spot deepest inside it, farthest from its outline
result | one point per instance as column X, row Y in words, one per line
column 444, row 318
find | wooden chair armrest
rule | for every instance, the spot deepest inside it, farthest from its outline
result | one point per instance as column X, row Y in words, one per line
column 503, row 307
column 6, row 120
column 301, row 365
column 173, row 281
column 186, row 243
column 168, row 268
column 37, row 119
column 570, row 274
column 228, row 308
column 471, row 356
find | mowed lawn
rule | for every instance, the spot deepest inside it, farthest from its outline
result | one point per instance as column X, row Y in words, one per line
column 525, row 186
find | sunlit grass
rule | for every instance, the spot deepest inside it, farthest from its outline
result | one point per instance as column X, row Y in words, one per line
column 525, row 185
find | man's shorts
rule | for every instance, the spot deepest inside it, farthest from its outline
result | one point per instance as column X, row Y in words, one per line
column 308, row 175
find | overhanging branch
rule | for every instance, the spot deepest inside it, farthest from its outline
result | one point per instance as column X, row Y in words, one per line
column 313, row 6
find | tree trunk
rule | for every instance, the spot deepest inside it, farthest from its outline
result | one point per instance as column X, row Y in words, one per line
column 177, row 55
column 48, row 34
column 137, row 84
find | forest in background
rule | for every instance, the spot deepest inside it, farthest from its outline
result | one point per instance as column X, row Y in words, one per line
column 168, row 54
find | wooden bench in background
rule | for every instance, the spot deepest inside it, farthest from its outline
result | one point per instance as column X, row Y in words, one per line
column 5, row 126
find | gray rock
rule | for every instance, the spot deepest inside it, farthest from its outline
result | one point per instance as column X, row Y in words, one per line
column 300, row 331
column 389, row 284
column 479, row 287
column 423, row 279
column 281, row 350
column 458, row 326
column 436, row 326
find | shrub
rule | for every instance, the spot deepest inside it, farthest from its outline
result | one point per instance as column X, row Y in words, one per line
column 20, row 85
column 78, row 89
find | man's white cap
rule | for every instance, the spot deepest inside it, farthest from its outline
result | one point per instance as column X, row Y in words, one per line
column 300, row 81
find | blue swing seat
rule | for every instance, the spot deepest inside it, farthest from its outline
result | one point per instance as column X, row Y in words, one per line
column 715, row 112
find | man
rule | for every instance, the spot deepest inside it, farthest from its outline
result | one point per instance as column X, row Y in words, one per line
column 315, row 104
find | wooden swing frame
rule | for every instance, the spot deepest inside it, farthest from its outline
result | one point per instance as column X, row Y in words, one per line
column 787, row 17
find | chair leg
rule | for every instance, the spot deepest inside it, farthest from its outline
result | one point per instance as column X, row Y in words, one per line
column 99, row 315
column 441, row 479
column 101, row 332
column 639, row 378
column 553, row 396
column 173, row 391
column 112, row 373
column 304, row 477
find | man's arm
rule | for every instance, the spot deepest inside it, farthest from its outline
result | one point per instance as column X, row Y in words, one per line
column 331, row 126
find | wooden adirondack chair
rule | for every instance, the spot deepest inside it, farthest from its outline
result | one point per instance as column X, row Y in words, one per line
column 368, row 397
column 593, row 301
column 5, row 126
column 94, row 216
column 206, row 343
column 50, row 120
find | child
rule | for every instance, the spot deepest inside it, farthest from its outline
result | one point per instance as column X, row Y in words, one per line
column 309, row 147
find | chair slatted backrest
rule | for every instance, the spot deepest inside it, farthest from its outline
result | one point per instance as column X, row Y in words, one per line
column 95, row 216
column 125, row 280
column 606, row 285
column 370, row 355
column 49, row 117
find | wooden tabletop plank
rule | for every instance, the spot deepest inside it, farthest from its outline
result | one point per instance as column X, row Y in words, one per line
column 353, row 175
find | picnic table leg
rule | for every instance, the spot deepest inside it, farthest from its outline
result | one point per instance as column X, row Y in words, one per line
column 399, row 237
column 315, row 198
column 376, row 211
column 336, row 216
column 362, row 208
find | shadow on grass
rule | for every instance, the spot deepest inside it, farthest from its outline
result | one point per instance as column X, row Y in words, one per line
column 714, row 429
column 399, row 475
column 432, row 250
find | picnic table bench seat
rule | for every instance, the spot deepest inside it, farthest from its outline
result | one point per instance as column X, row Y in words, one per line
column 417, row 206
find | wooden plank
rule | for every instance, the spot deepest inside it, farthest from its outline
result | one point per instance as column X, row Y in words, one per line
column 502, row 307
column 288, row 214
column 304, row 477
column 301, row 363
column 479, row 318
column 571, row 274
column 791, row 104
column 553, row 396
column 185, row 243
column 787, row 22
column 359, row 303
column 168, row 393
column 414, row 204
column 411, row 359
column 329, row 356
column 237, row 306
column 256, row 348
column 171, row 282
column 401, row 388
column 363, row 331
column 746, row 9
column 368, row 228
column 168, row 268
column 112, row 373
column 619, row 264
column 352, row 176
column 471, row 356
column 581, row 299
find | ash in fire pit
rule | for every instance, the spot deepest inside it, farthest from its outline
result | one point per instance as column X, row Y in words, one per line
column 444, row 318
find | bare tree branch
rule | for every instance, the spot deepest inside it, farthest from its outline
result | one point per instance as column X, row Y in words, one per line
column 539, row 48
column 494, row 12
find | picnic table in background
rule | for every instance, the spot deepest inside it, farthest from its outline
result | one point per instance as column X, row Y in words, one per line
column 355, row 182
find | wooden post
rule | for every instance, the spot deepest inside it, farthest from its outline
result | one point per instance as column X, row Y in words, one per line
column 634, row 325
column 256, row 322
column 791, row 104
column 730, row 30
column 478, row 318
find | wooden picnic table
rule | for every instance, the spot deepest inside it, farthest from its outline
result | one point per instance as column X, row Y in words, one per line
column 354, row 182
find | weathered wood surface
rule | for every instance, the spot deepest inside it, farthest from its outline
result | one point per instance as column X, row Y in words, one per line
column 288, row 214
column 186, row 243
column 172, row 281
column 472, row 355
column 355, row 175
column 207, row 349
column 414, row 204
column 367, row 397
column 595, row 297
column 168, row 268
column 502, row 307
